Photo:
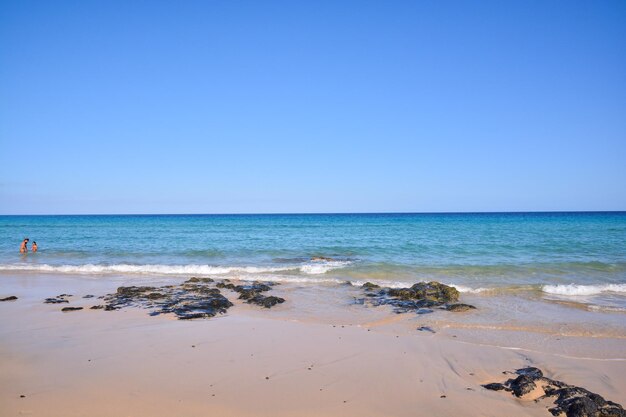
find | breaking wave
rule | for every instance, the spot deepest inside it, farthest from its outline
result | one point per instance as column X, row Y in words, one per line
column 311, row 268
column 575, row 289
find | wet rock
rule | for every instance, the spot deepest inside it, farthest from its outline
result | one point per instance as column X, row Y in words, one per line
column 55, row 300
column 419, row 298
column 66, row 309
column 199, row 308
column 97, row 307
column 432, row 291
column 192, row 299
column 155, row 296
column 459, row 307
column 321, row 258
column 133, row 291
column 530, row 371
column 247, row 292
column 89, row 296
column 426, row 329
column 570, row 400
column 10, row 298
column 266, row 301
column 496, row 386
column 522, row 385
column 196, row 279
column 252, row 293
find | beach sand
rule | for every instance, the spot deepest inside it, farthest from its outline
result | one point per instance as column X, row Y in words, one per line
column 293, row 360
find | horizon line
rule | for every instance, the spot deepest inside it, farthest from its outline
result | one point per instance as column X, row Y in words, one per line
column 323, row 213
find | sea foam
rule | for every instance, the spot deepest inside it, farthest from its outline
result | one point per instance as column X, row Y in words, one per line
column 575, row 289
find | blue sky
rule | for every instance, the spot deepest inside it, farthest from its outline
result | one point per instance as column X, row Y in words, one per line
column 320, row 106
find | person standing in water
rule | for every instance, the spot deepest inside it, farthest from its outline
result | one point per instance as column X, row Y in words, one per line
column 34, row 247
column 24, row 246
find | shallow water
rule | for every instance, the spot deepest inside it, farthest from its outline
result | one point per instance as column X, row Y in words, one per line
column 572, row 257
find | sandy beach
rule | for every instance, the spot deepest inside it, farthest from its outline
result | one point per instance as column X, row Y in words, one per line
column 344, row 361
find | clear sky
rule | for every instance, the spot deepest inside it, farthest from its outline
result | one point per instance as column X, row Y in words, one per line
column 311, row 106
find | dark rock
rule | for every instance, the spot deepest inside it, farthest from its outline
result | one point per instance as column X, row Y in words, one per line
column 193, row 308
column 97, row 307
column 247, row 292
column 252, row 293
column 530, row 371
column 64, row 309
column 495, row 386
column 10, row 298
column 196, row 279
column 459, row 307
column 433, row 291
column 321, row 258
column 55, row 301
column 89, row 296
column 420, row 297
column 426, row 329
column 522, row 385
column 570, row 400
column 266, row 301
column 134, row 291
column 155, row 296
column 192, row 299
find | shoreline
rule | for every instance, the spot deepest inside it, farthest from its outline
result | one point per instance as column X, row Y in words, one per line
column 316, row 356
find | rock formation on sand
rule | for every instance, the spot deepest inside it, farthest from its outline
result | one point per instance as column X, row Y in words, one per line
column 569, row 400
column 420, row 297
column 252, row 293
column 193, row 299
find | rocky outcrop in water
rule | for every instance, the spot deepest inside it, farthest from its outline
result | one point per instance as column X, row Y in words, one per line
column 192, row 299
column 321, row 259
column 419, row 298
column 66, row 309
column 10, row 298
column 569, row 400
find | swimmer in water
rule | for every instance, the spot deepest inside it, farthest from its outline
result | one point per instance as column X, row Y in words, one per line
column 24, row 246
column 34, row 247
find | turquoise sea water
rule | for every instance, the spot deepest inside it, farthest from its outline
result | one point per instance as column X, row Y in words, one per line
column 561, row 254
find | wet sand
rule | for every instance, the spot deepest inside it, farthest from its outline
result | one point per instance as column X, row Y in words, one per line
column 297, row 359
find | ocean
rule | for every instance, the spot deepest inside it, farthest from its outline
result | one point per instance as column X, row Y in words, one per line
column 572, row 256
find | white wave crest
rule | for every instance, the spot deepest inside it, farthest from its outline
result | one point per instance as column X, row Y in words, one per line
column 461, row 288
column 310, row 268
column 575, row 289
column 317, row 267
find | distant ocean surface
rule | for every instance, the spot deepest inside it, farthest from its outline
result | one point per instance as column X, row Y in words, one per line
column 573, row 256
